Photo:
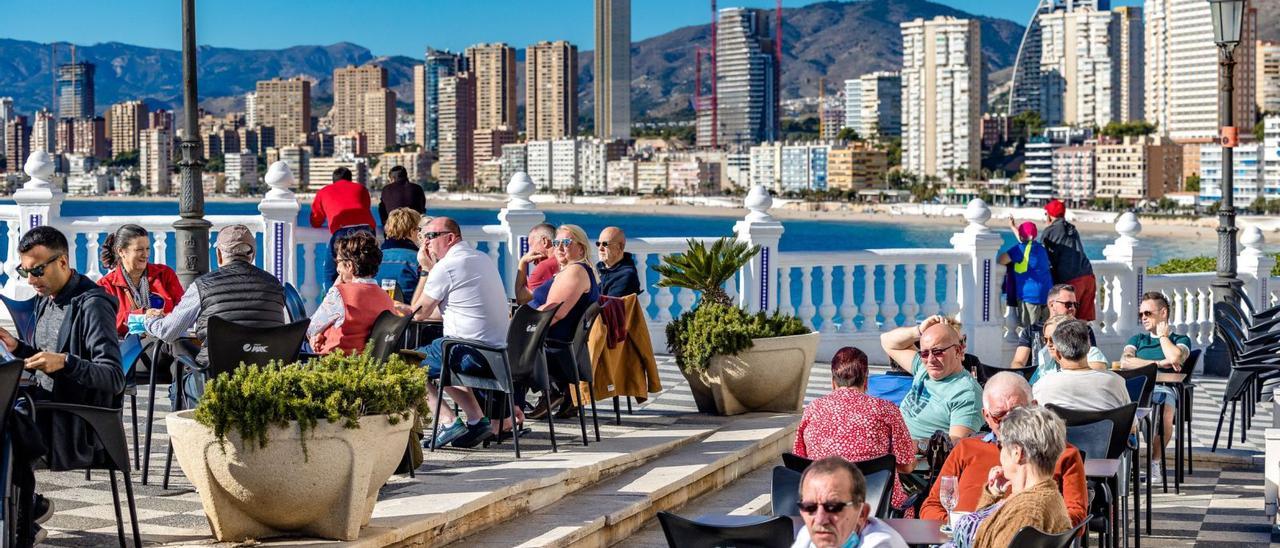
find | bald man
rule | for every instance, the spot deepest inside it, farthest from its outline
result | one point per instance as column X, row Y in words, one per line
column 617, row 268
column 943, row 396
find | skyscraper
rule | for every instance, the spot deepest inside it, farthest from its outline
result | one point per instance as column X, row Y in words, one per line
column 853, row 105
column 89, row 137
column 1080, row 67
column 380, row 119
column 613, row 69
column 17, row 135
column 1132, row 40
column 1268, row 78
column 748, row 78
column 44, row 135
column 6, row 113
column 457, row 125
column 285, row 105
column 494, row 68
column 350, row 84
column 153, row 161
column 1028, row 86
column 251, row 109
column 942, row 96
column 881, row 105
column 551, row 90
column 426, row 95
column 124, row 121
column 75, row 90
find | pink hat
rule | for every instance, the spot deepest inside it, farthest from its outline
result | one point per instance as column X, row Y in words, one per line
column 1027, row 231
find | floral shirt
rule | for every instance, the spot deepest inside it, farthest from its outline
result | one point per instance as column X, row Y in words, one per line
column 858, row 427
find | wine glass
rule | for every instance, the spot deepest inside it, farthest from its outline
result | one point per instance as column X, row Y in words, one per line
column 947, row 495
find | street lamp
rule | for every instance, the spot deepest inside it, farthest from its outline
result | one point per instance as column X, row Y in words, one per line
column 192, row 230
column 1228, row 18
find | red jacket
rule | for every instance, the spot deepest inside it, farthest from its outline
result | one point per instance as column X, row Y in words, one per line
column 342, row 203
column 161, row 282
column 363, row 303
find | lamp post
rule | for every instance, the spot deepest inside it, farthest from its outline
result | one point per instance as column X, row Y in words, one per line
column 192, row 230
column 1228, row 18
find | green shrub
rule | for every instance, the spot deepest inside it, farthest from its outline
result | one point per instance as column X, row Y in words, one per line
column 336, row 387
column 1198, row 264
column 715, row 328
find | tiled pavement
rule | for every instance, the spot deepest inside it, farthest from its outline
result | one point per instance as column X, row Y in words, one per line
column 1219, row 505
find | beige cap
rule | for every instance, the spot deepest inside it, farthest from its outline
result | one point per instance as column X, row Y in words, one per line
column 236, row 241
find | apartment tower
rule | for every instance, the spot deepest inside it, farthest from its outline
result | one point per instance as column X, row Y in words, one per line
column 942, row 96
column 350, row 86
column 551, row 90
column 613, row 69
column 285, row 106
column 75, row 90
column 426, row 95
column 457, row 127
column 124, row 121
column 493, row 67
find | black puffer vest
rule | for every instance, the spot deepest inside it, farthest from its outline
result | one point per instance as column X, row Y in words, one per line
column 239, row 292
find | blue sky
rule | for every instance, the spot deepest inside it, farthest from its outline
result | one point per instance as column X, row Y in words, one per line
column 386, row 27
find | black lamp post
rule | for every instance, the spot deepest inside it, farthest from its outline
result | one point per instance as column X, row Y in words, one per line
column 192, row 229
column 1228, row 20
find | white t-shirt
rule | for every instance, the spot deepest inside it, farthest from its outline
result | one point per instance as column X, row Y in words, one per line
column 1087, row 390
column 875, row 534
column 472, row 298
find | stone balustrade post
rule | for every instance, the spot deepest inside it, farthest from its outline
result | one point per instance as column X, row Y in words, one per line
column 517, row 219
column 39, row 200
column 979, row 285
column 1254, row 267
column 1127, row 293
column 757, row 286
column 279, row 210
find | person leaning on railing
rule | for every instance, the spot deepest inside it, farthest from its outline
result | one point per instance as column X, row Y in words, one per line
column 346, row 315
column 943, row 396
column 345, row 206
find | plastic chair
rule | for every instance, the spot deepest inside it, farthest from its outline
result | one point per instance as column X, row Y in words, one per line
column 295, row 307
column 387, row 334
column 523, row 357
column 1117, row 446
column 1030, row 537
column 686, row 533
column 1092, row 438
column 579, row 365
column 795, row 462
column 130, row 352
column 23, row 314
column 879, row 492
column 1141, row 382
column 785, row 491
column 987, row 371
column 10, row 374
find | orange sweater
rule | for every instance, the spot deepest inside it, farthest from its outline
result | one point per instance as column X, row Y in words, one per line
column 973, row 458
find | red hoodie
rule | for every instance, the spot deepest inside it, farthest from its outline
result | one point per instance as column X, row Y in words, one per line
column 342, row 203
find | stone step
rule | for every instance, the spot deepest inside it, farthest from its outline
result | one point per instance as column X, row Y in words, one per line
column 612, row 511
column 746, row 496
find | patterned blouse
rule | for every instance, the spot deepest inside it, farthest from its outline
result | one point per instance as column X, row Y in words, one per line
column 858, row 427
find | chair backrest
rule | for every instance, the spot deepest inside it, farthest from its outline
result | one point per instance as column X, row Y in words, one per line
column 1141, row 382
column 1121, row 418
column 293, row 303
column 10, row 374
column 231, row 344
column 130, row 351
column 526, row 339
column 1192, row 360
column 1091, row 439
column 795, row 462
column 988, row 371
column 386, row 334
column 686, row 533
column 578, row 347
column 1030, row 537
column 422, row 333
column 879, row 492
column 23, row 314
column 785, row 491
column 1234, row 309
column 1239, row 293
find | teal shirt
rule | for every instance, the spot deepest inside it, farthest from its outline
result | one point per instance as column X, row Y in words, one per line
column 1147, row 346
column 938, row 405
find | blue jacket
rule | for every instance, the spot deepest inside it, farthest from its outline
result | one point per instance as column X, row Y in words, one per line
column 400, row 263
column 1031, row 286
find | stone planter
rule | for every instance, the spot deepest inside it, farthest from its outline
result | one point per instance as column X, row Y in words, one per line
column 770, row 376
column 250, row 492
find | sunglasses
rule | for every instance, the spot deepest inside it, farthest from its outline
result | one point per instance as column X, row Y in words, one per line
column 603, row 244
column 1068, row 304
column 36, row 271
column 428, row 236
column 834, row 507
column 929, row 353
column 564, row 242
column 1142, row 314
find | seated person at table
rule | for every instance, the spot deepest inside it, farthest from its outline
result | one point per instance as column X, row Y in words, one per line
column 943, row 396
column 849, row 423
column 833, row 494
column 1045, row 364
column 618, row 277
column 74, row 358
column 132, row 279
column 464, row 289
column 973, row 457
column 575, row 288
column 1021, row 491
column 346, row 315
column 237, row 291
column 538, row 266
column 1062, row 301
column 1075, row 385
column 1168, row 350
column 400, row 251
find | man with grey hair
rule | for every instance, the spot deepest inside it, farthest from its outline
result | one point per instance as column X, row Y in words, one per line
column 973, row 457
column 832, row 503
column 539, row 257
column 1076, row 385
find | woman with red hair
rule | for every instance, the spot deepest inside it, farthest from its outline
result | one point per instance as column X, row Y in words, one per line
column 851, row 424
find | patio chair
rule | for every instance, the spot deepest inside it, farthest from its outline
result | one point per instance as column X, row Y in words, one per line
column 295, row 308
column 785, row 491
column 795, row 462
column 23, row 314
column 10, row 373
column 130, row 353
column 1030, row 537
column 1117, row 447
column 577, row 369
column 987, row 371
column 686, row 533
column 387, row 336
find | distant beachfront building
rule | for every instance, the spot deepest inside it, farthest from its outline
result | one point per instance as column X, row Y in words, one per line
column 322, row 170
column 486, row 146
column 82, row 177
column 612, row 82
column 156, row 146
column 620, row 176
column 1039, row 159
column 44, row 133
column 853, row 104
column 124, row 121
column 493, row 67
column 804, row 167
column 75, row 90
column 514, row 159
column 89, row 137
column 7, row 113
column 765, row 165
column 241, row 169
column 856, row 167
column 285, row 106
column 1028, row 87
column 942, row 96
column 1268, row 79
column 416, row 164
column 880, row 97
column 1079, row 64
column 17, row 142
column 457, row 131
column 350, row 86
column 1073, row 174
column 297, row 158
column 551, row 90
column 1137, row 168
column 1248, row 168
column 651, row 176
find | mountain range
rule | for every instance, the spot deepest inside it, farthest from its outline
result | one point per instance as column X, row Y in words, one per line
column 835, row 40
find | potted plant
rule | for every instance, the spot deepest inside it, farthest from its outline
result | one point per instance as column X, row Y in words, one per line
column 734, row 361
column 298, row 449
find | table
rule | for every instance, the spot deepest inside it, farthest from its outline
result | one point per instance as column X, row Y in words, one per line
column 1107, row 470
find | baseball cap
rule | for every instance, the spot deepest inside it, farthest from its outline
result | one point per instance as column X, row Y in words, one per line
column 1027, row 230
column 1055, row 208
column 236, row 241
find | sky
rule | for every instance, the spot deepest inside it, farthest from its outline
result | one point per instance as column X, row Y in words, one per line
column 386, row 27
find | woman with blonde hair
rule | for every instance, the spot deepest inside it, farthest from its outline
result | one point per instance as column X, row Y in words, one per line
column 400, row 251
column 574, row 288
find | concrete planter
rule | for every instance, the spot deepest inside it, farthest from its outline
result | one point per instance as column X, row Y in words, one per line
column 250, row 492
column 770, row 376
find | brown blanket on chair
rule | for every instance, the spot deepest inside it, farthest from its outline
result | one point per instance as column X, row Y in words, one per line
column 627, row 369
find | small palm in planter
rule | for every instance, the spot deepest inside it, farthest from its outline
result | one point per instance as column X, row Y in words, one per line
column 735, row 361
column 298, row 449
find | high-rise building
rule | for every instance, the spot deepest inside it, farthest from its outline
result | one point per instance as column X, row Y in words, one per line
column 1247, row 179
column 1073, row 174
column 1080, row 67
column 17, row 136
column 160, row 119
column 551, row 90
column 6, row 113
column 457, row 127
column 153, row 160
column 1028, row 86
column 748, row 79
column 1039, row 164
column 285, row 106
column 613, row 69
column 881, row 105
column 350, row 84
column 75, row 90
column 380, row 119
column 493, row 67
column 242, row 172
column 538, row 159
column 1268, row 78
column 44, row 134
column 426, row 94
column 64, row 136
column 1182, row 76
column 943, row 92
column 1132, row 40
column 487, row 143
column 251, row 109
column 853, row 105
column 90, row 137
column 124, row 121
column 1137, row 168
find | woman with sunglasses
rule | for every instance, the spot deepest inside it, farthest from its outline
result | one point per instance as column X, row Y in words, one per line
column 1046, row 364
column 574, row 288
column 136, row 283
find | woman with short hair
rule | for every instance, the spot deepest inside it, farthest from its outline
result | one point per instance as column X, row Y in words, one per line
column 345, row 317
column 400, row 251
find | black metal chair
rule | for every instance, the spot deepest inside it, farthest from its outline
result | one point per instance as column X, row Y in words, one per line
column 785, row 491
column 130, row 353
column 1147, row 374
column 522, row 358
column 686, row 533
column 10, row 373
column 1030, row 537
column 1120, row 419
column 1248, row 366
column 23, row 314
column 987, row 371
column 576, row 368
column 295, row 307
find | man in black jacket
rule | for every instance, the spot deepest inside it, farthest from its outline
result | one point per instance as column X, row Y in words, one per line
column 1067, row 260
column 74, row 357
column 618, row 276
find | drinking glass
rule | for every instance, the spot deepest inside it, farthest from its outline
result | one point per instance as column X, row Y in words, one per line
column 947, row 495
column 1115, row 366
column 390, row 287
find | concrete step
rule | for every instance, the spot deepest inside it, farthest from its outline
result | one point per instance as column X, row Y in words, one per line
column 746, row 496
column 613, row 510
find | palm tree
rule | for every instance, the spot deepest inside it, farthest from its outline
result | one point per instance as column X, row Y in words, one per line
column 706, row 269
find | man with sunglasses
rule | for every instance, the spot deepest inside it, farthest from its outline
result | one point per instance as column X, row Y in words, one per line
column 972, row 458
column 833, row 495
column 74, row 357
column 1168, row 350
column 943, row 396
column 1062, row 301
column 617, row 268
